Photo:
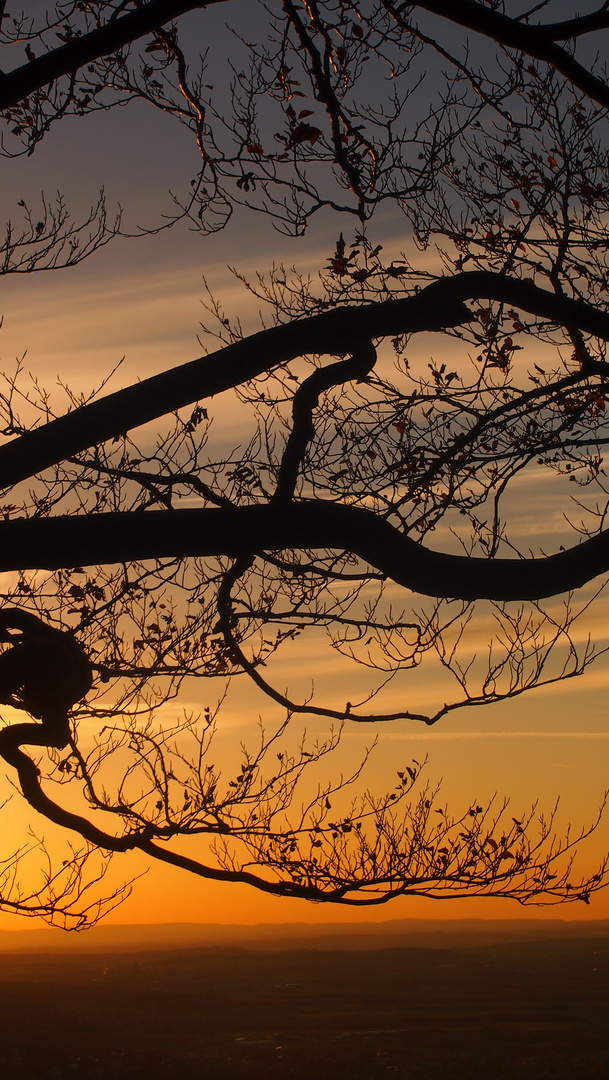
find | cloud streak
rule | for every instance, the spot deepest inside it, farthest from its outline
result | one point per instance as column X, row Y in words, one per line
column 462, row 736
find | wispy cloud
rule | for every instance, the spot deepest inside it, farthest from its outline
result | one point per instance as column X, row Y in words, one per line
column 459, row 736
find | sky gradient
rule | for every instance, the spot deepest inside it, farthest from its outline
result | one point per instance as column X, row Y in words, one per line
column 141, row 300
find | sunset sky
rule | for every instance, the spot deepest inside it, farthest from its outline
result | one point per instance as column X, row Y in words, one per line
column 141, row 299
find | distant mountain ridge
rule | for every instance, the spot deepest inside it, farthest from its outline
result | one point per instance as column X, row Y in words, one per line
column 416, row 933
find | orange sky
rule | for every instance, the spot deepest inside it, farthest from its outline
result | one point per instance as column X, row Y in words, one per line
column 550, row 744
column 141, row 300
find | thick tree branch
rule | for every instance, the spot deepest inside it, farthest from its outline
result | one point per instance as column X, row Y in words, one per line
column 11, row 740
column 437, row 307
column 567, row 29
column 62, row 542
column 38, row 73
column 338, row 331
column 305, row 401
column 534, row 40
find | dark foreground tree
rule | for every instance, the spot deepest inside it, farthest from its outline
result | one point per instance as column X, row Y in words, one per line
column 168, row 558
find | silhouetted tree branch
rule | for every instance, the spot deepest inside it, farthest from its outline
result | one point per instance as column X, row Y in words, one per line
column 318, row 53
column 364, row 478
column 58, row 543
column 365, row 852
column 535, row 40
column 68, row 896
column 438, row 306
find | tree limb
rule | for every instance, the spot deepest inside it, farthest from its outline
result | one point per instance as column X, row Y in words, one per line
column 38, row 73
column 537, row 41
column 438, row 306
column 63, row 542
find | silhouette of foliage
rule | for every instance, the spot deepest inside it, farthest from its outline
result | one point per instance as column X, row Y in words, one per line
column 171, row 557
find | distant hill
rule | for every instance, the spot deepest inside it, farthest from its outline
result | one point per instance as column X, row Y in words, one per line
column 420, row 933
